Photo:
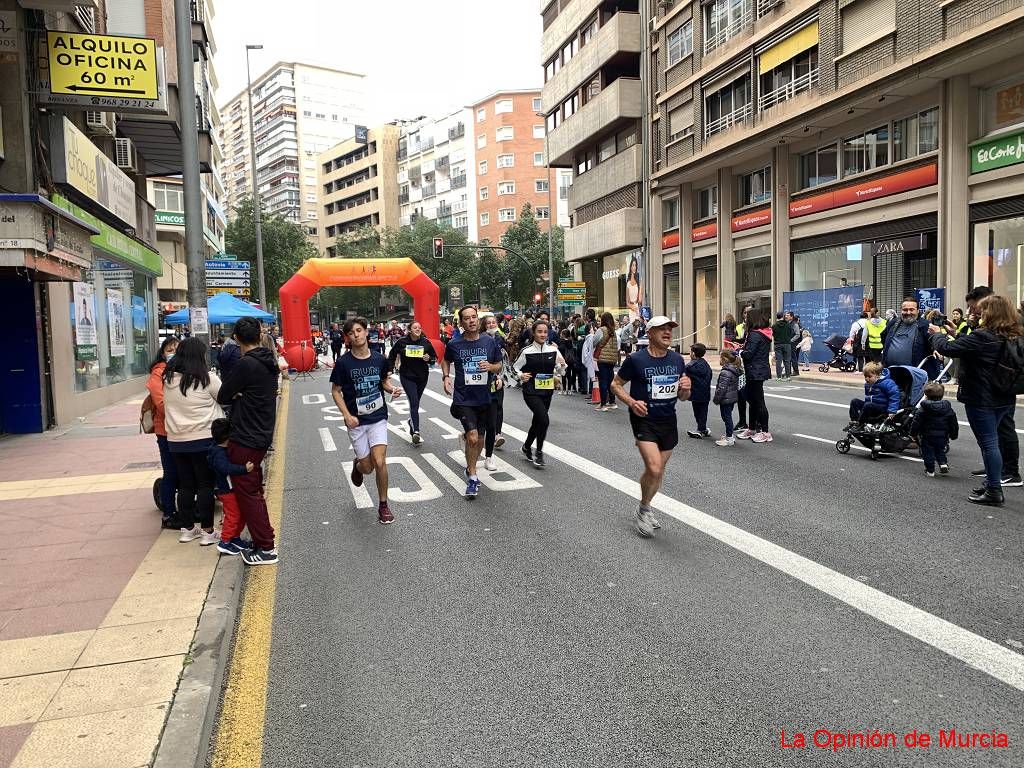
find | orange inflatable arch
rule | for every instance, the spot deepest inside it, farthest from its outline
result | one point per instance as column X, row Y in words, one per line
column 335, row 273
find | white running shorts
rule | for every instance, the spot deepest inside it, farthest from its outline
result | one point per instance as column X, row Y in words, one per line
column 365, row 436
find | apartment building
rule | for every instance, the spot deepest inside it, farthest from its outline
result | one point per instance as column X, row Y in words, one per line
column 358, row 182
column 511, row 166
column 808, row 145
column 592, row 102
column 299, row 111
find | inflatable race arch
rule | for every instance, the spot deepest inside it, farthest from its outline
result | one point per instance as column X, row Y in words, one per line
column 342, row 273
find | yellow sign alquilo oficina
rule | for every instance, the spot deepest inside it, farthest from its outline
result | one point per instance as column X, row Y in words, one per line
column 102, row 65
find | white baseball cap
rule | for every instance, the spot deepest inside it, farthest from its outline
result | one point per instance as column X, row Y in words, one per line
column 659, row 320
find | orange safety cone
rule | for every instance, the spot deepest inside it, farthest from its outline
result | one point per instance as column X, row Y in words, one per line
column 595, row 393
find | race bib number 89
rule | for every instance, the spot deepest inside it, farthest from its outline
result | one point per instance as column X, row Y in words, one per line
column 474, row 375
column 664, row 387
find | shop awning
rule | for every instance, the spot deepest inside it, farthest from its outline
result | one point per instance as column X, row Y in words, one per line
column 793, row 45
column 43, row 239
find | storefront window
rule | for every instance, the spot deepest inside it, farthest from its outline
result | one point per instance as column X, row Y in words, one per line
column 110, row 325
column 754, row 269
column 671, row 288
column 828, row 267
column 998, row 250
column 670, row 214
column 1003, row 105
column 705, row 282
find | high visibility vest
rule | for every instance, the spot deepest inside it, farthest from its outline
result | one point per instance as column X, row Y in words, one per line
column 875, row 335
column 740, row 330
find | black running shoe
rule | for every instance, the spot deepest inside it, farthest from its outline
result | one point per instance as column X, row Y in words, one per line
column 538, row 460
column 527, row 452
column 260, row 557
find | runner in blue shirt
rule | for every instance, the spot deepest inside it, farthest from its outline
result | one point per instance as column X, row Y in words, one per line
column 657, row 379
column 476, row 360
column 359, row 382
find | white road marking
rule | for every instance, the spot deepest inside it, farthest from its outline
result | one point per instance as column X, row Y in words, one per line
column 360, row 494
column 456, row 482
column 975, row 651
column 327, row 440
column 314, row 399
column 400, row 431
column 517, row 482
column 333, row 413
column 856, row 447
column 450, row 432
column 425, row 489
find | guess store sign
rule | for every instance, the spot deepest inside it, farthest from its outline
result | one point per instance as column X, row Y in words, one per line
column 883, row 186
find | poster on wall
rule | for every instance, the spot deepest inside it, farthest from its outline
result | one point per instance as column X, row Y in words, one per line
column 634, row 287
column 931, row 298
column 825, row 312
column 115, row 322
column 85, row 315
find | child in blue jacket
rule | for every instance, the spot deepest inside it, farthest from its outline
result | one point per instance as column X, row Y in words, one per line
column 881, row 396
column 231, row 542
column 700, row 392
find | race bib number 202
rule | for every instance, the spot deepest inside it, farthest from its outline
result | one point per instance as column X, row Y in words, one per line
column 664, row 387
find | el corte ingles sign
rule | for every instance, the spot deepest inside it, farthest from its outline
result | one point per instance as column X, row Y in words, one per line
column 997, row 153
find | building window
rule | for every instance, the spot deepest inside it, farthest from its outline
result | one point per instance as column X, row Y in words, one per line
column 606, row 149
column 506, row 188
column 670, row 214
column 551, row 68
column 168, row 197
column 536, row 105
column 538, row 158
column 569, row 50
column 680, row 43
column 727, row 106
column 543, row 212
column 866, row 151
column 554, row 120
column 755, row 187
column 505, row 133
column 481, row 114
column 680, row 121
column 506, row 161
column 915, row 135
column 588, row 31
column 485, row 219
column 829, row 265
column 538, row 131
column 483, row 193
column 723, row 20
column 707, row 203
column 791, row 77
column 506, row 214
column 483, row 168
column 866, row 20
column 584, row 161
column 570, row 106
column 819, row 167
column 502, row 106
column 540, row 185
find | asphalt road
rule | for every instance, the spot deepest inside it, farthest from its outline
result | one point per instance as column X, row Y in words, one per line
column 790, row 588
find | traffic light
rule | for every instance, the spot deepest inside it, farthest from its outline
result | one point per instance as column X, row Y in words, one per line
column 438, row 247
column 536, row 298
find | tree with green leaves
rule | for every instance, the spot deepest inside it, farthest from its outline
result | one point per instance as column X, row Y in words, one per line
column 285, row 246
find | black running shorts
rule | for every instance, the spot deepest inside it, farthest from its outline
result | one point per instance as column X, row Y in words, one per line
column 472, row 417
column 664, row 433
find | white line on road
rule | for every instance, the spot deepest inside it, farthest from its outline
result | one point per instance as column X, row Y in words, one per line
column 975, row 651
column 855, row 447
column 327, row 440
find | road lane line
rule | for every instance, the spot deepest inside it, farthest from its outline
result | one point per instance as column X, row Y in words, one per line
column 360, row 495
column 856, row 447
column 974, row 650
column 327, row 440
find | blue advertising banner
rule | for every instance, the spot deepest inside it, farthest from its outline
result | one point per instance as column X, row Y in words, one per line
column 931, row 298
column 824, row 313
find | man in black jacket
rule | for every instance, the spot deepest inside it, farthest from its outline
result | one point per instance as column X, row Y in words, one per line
column 251, row 391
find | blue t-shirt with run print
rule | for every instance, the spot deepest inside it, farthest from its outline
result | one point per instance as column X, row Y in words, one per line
column 655, row 381
column 362, row 381
column 472, row 383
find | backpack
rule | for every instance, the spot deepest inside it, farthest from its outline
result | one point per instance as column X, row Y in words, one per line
column 1008, row 373
column 147, row 413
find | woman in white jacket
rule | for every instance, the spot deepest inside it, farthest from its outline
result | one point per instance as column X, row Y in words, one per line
column 190, row 408
column 537, row 366
column 588, row 360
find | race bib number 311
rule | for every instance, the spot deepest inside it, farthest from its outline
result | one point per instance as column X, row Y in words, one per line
column 544, row 381
column 664, row 387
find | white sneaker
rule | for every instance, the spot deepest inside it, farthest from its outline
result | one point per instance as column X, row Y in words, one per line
column 643, row 522
column 762, row 437
column 490, row 464
column 744, row 434
column 213, row 537
column 724, row 441
column 654, row 521
column 190, row 534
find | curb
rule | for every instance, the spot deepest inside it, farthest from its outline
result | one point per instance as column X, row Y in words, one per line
column 189, row 726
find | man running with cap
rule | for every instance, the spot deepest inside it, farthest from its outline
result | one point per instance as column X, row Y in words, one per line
column 657, row 379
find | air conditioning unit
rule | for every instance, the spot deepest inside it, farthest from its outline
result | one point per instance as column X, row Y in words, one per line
column 124, row 155
column 100, row 123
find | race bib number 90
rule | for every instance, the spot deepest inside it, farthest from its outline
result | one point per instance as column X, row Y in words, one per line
column 544, row 381
column 664, row 387
column 369, row 404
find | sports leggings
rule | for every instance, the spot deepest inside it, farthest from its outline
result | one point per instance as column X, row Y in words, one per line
column 758, row 408
column 495, row 417
column 539, row 405
column 414, row 391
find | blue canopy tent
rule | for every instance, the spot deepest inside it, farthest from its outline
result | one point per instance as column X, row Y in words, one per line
column 223, row 308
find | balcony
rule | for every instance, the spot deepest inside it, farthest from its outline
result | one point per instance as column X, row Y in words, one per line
column 725, row 122
column 402, row 154
column 458, row 182
column 429, row 190
column 444, row 210
column 403, row 198
column 460, row 206
column 442, row 163
column 457, row 132
column 789, row 90
column 604, row 178
column 618, row 231
column 736, row 27
column 618, row 104
column 565, row 24
column 619, row 36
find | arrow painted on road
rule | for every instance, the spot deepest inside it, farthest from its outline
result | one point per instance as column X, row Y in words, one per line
column 100, row 90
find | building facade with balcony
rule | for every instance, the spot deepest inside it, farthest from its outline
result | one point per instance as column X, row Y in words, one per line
column 592, row 102
column 511, row 168
column 803, row 145
column 299, row 111
column 359, row 186
column 437, row 173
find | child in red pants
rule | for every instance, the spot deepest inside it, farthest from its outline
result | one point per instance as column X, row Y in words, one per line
column 231, row 542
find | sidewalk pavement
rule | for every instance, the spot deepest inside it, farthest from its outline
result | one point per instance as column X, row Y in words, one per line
column 98, row 606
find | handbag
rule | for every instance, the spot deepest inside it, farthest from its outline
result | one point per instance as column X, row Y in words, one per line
column 147, row 416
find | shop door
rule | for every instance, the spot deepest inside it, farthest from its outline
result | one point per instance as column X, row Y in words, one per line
column 21, row 407
column 706, row 307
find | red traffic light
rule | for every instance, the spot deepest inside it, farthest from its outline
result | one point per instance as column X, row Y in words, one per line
column 438, row 247
column 537, row 297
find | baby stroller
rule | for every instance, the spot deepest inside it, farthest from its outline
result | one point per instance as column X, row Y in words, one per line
column 840, row 358
column 891, row 434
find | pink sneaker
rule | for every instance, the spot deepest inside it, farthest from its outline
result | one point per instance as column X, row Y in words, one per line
column 762, row 437
column 744, row 434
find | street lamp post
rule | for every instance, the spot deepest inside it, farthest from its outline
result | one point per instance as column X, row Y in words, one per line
column 551, row 213
column 257, row 204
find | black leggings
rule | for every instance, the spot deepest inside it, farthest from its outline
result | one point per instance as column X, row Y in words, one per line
column 538, row 405
column 495, row 417
column 195, row 489
column 414, row 391
column 758, row 409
